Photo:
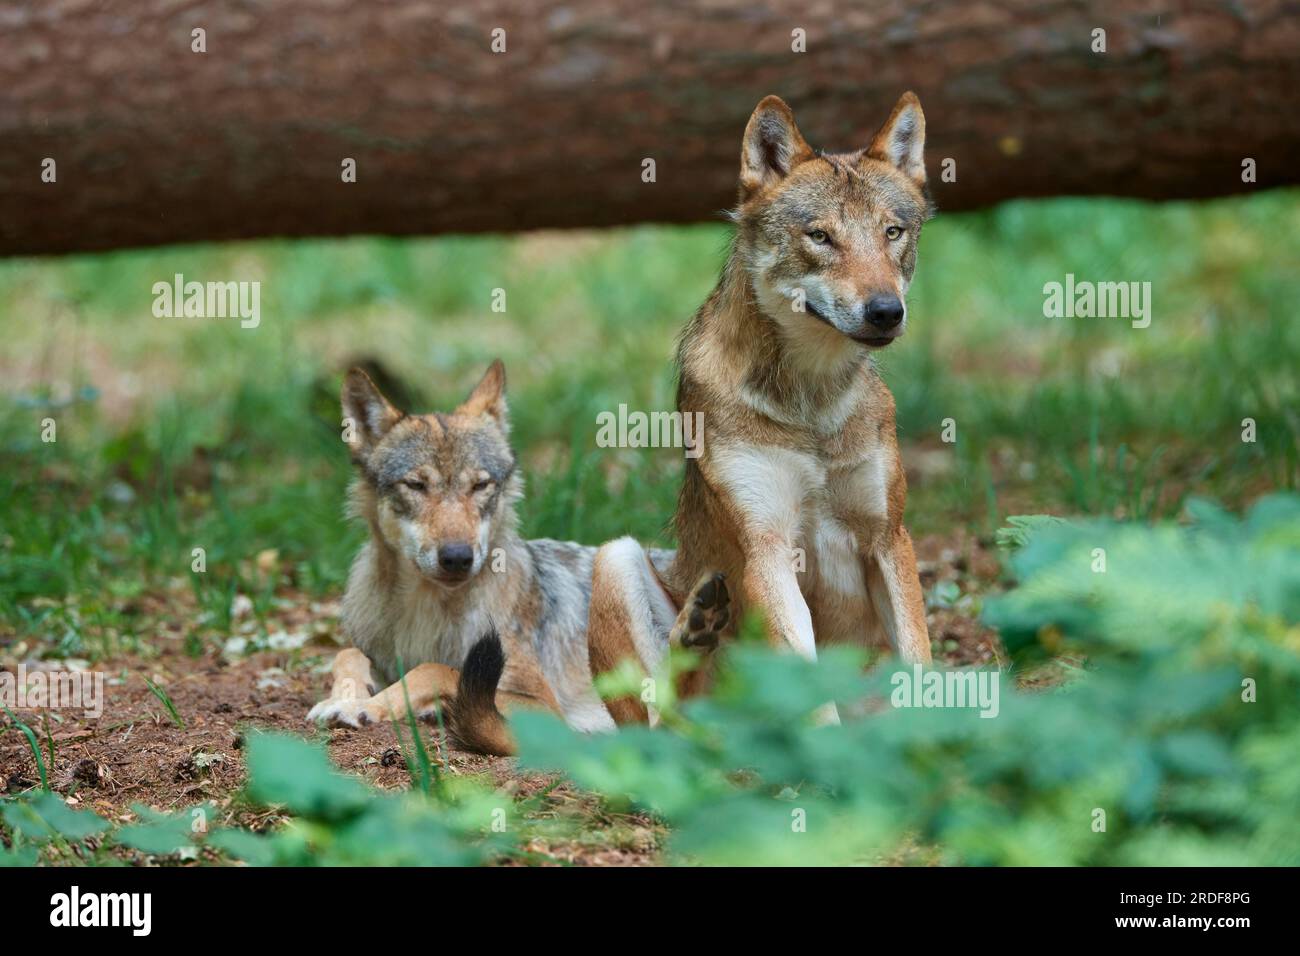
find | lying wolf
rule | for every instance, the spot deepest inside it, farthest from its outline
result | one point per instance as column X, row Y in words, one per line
column 445, row 587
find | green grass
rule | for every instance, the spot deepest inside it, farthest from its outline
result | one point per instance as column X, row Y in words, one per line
column 177, row 434
column 35, row 747
column 166, row 701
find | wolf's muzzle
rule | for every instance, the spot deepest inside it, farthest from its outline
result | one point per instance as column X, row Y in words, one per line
column 884, row 312
column 455, row 560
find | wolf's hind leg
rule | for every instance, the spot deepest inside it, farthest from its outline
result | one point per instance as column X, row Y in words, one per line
column 630, row 619
column 704, row 615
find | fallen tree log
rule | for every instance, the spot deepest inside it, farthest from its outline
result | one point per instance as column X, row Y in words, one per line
column 154, row 140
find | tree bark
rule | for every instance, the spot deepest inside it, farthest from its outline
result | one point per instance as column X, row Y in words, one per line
column 155, row 143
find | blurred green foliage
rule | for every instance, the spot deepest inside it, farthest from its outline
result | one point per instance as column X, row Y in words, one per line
column 1179, row 736
column 1176, row 743
column 336, row 820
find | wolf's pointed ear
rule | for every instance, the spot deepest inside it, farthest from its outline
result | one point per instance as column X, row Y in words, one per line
column 489, row 395
column 901, row 141
column 367, row 415
column 772, row 146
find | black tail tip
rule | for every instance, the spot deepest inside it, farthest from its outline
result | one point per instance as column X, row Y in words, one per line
column 483, row 666
column 475, row 723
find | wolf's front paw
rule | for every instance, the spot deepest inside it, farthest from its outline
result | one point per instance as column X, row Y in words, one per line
column 347, row 712
column 704, row 615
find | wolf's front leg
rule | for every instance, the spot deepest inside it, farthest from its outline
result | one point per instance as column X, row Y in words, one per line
column 352, row 680
column 426, row 686
column 771, row 585
column 895, row 590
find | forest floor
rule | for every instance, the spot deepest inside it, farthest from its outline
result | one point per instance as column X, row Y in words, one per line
column 137, row 753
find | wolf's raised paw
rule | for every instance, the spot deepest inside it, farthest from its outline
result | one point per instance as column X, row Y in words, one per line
column 705, row 613
column 346, row 712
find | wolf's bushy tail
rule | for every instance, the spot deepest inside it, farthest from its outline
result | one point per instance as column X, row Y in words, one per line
column 473, row 719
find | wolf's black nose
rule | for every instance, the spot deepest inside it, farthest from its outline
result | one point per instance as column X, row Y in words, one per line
column 885, row 311
column 456, row 558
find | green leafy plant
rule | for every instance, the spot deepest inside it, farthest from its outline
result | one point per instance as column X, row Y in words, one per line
column 1174, row 742
column 1170, row 746
column 42, row 819
column 333, row 819
column 337, row 819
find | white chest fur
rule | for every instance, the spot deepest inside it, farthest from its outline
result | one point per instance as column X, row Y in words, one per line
column 821, row 512
column 405, row 622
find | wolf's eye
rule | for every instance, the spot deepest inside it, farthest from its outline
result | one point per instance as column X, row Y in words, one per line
column 482, row 485
column 819, row 236
column 414, row 484
column 894, row 232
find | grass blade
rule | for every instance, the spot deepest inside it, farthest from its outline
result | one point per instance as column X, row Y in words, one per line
column 36, row 748
column 166, row 701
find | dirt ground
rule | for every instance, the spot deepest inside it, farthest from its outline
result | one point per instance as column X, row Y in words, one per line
column 135, row 753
